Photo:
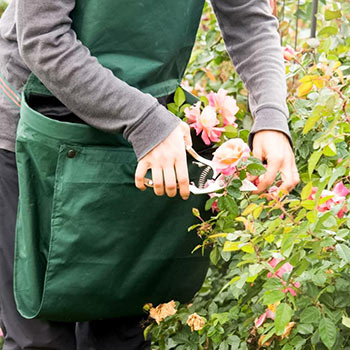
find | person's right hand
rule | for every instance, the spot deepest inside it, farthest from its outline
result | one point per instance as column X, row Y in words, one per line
column 168, row 164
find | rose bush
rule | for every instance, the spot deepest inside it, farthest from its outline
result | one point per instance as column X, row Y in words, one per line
column 280, row 263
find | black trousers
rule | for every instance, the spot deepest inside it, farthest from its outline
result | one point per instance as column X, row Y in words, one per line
column 20, row 334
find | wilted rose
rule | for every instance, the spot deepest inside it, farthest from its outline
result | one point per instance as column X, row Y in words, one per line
column 195, row 322
column 162, row 311
column 287, row 330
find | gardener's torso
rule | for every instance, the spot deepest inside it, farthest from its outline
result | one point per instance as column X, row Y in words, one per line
column 145, row 45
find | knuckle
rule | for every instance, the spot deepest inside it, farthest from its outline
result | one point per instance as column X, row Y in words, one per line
column 138, row 177
column 171, row 187
column 158, row 187
column 183, row 182
column 295, row 182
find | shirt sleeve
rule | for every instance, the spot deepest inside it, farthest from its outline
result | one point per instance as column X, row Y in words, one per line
column 50, row 49
column 252, row 41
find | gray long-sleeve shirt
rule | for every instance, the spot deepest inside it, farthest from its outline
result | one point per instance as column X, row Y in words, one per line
column 36, row 36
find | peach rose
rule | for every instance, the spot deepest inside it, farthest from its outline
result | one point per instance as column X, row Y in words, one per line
column 229, row 154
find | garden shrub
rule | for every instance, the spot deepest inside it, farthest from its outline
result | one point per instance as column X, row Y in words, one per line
column 280, row 263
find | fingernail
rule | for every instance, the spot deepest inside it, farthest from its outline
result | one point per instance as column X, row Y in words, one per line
column 185, row 198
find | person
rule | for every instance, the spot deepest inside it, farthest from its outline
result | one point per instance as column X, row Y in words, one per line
column 111, row 64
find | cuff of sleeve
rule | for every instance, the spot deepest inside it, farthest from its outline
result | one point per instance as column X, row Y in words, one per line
column 152, row 129
column 269, row 119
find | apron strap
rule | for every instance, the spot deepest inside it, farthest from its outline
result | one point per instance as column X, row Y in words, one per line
column 10, row 92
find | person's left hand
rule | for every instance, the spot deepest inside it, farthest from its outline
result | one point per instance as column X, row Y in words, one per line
column 274, row 148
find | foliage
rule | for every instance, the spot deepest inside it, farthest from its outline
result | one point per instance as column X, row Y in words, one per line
column 280, row 273
column 3, row 5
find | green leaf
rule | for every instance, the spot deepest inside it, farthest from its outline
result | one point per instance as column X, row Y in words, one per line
column 231, row 246
column 328, row 332
column 308, row 204
column 328, row 31
column 229, row 204
column 204, row 100
column 287, row 244
column 346, row 321
column 180, row 97
column 302, row 267
column 248, row 248
column 309, row 125
column 256, row 169
column 283, row 316
column 344, row 252
column 315, row 157
column 331, row 221
column 305, row 329
column 338, row 172
column 231, row 131
column 329, row 15
column 272, row 296
column 182, row 109
column 209, row 203
column 312, row 216
column 173, row 108
column 310, row 315
column 305, row 193
column 330, row 150
column 215, row 256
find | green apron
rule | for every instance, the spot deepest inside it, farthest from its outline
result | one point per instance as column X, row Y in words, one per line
column 89, row 244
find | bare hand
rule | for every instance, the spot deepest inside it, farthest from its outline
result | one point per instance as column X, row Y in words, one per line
column 168, row 164
column 274, row 148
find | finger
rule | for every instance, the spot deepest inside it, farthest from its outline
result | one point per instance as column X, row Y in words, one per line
column 251, row 178
column 269, row 177
column 140, row 174
column 158, row 182
column 258, row 153
column 182, row 177
column 170, row 181
column 290, row 177
column 187, row 134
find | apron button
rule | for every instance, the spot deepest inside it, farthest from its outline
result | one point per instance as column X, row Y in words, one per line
column 71, row 153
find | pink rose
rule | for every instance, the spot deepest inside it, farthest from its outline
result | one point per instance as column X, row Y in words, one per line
column 285, row 268
column 337, row 196
column 267, row 314
column 229, row 154
column 340, row 190
column 225, row 105
column 193, row 113
column 288, row 53
column 204, row 122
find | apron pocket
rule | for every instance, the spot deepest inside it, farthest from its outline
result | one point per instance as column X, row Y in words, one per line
column 113, row 248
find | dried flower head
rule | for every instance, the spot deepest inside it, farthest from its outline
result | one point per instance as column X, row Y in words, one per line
column 196, row 322
column 162, row 311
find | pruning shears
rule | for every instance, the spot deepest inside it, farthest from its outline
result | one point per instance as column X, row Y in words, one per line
column 210, row 180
